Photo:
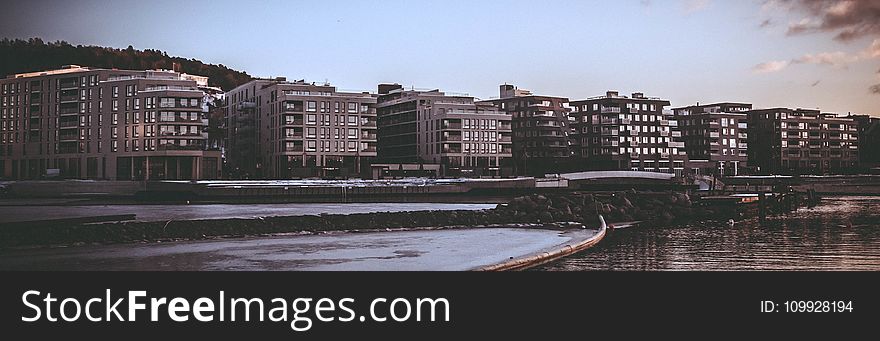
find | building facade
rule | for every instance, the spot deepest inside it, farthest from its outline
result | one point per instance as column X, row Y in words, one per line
column 869, row 141
column 802, row 141
column 615, row 132
column 540, row 125
column 279, row 129
column 715, row 137
column 465, row 138
column 89, row 123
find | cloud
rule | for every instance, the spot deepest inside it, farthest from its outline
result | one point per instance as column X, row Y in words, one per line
column 771, row 66
column 691, row 6
column 873, row 51
column 847, row 19
column 836, row 59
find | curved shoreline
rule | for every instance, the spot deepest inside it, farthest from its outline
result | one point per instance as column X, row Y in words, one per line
column 545, row 256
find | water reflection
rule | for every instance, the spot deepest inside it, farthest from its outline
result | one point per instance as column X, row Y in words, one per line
column 842, row 233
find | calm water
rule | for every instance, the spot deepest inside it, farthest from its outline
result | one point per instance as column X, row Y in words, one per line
column 843, row 233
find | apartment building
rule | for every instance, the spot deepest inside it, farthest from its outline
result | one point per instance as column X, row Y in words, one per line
column 869, row 141
column 615, row 132
column 715, row 137
column 540, row 128
column 802, row 141
column 91, row 123
column 429, row 126
column 293, row 129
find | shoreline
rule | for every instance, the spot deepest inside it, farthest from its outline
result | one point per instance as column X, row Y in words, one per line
column 653, row 207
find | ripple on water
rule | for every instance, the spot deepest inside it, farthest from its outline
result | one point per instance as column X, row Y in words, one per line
column 842, row 233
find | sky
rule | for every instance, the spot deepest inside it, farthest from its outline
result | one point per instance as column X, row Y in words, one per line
column 773, row 53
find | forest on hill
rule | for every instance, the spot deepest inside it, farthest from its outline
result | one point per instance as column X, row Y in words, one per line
column 19, row 56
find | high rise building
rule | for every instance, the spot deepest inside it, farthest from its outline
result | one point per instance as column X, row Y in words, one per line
column 91, row 123
column 801, row 141
column 541, row 141
column 614, row 132
column 280, row 129
column 464, row 137
column 715, row 137
column 869, row 141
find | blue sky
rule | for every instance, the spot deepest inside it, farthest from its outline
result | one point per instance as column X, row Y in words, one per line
column 683, row 50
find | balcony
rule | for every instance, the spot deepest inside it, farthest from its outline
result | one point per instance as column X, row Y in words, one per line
column 676, row 144
column 610, row 143
column 294, row 149
column 742, row 135
column 551, row 124
column 68, row 124
column 610, row 110
column 247, row 105
column 504, row 139
column 451, row 125
column 168, row 146
column 293, row 122
column 295, row 136
column 68, row 111
column 743, row 145
column 676, row 134
column 68, row 137
column 609, row 121
column 664, row 122
column 188, row 135
column 742, row 125
column 714, row 134
column 612, row 132
column 664, row 133
column 370, row 137
column 455, row 138
column 68, row 85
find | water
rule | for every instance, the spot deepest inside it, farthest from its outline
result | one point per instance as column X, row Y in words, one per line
column 842, row 233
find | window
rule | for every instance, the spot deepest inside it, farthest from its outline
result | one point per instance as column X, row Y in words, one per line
column 114, row 145
column 115, row 91
column 115, row 105
column 311, row 118
column 166, row 102
column 352, row 133
column 310, row 132
column 352, row 146
column 312, row 106
column 352, row 120
column 352, row 107
column 311, row 145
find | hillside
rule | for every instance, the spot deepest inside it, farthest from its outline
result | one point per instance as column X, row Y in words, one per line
column 17, row 56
